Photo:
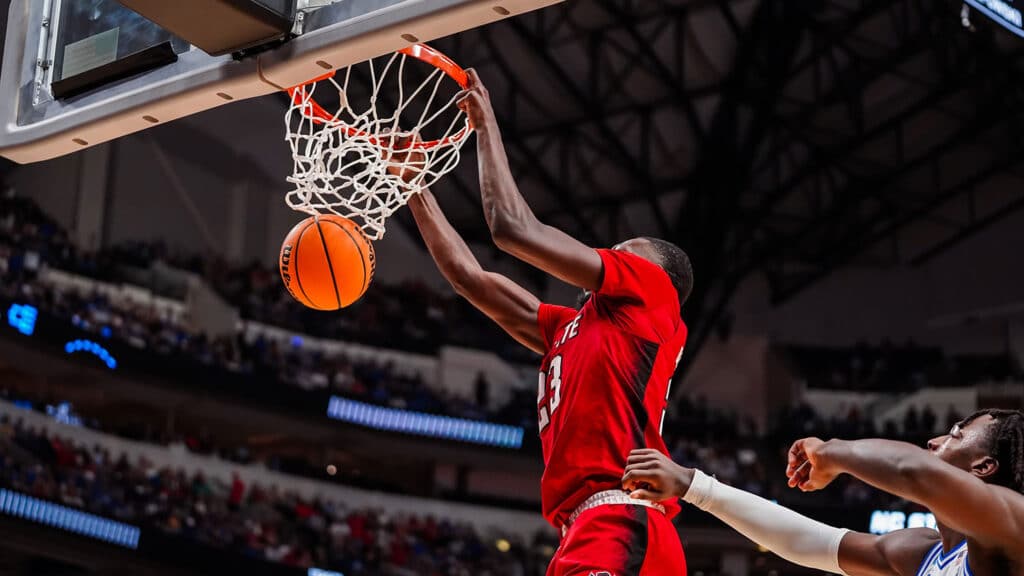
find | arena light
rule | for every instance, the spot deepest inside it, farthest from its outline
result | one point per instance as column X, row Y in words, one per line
column 319, row 572
column 22, row 318
column 93, row 348
column 420, row 424
column 69, row 519
column 1002, row 12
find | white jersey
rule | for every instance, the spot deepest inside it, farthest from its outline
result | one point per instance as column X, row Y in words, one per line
column 952, row 564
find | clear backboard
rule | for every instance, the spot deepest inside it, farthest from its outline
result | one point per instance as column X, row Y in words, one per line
column 80, row 72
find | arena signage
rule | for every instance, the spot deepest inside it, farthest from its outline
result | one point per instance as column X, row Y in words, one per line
column 885, row 521
column 22, row 318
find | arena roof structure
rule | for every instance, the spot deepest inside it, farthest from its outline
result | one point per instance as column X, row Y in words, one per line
column 782, row 138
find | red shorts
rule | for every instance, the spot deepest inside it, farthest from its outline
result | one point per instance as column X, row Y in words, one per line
column 620, row 540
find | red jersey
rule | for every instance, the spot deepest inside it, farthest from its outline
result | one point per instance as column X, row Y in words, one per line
column 604, row 380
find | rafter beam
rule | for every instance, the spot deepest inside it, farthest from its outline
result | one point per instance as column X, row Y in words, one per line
column 591, row 109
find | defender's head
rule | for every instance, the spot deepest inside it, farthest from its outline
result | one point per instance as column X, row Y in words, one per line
column 667, row 256
column 988, row 444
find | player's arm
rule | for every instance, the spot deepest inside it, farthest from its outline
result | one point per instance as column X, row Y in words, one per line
column 510, row 305
column 513, row 225
column 990, row 514
column 653, row 476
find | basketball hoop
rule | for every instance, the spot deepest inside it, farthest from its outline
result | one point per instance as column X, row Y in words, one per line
column 349, row 162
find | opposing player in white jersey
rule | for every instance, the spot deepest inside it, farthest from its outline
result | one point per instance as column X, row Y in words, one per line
column 972, row 479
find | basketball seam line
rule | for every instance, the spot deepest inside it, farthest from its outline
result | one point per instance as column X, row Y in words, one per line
column 295, row 256
column 354, row 243
column 330, row 267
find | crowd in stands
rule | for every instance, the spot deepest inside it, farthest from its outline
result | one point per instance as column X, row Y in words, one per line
column 146, row 329
column 29, row 239
column 889, row 367
column 266, row 523
column 408, row 316
column 739, row 454
column 257, row 521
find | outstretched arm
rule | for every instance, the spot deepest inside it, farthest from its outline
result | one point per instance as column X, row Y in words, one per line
column 653, row 476
column 510, row 305
column 990, row 514
column 514, row 227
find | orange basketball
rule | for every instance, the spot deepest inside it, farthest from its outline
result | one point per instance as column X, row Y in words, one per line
column 327, row 262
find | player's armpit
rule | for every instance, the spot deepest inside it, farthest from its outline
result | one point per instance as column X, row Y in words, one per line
column 898, row 553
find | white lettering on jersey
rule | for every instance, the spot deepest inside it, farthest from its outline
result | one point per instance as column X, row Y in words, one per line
column 572, row 329
column 545, row 406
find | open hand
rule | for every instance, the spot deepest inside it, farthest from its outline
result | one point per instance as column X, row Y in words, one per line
column 475, row 101
column 808, row 468
column 653, row 476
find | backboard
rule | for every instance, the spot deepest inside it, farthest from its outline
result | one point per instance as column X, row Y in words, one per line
column 80, row 72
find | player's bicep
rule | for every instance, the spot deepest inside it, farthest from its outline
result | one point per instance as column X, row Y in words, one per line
column 992, row 515
column 510, row 305
column 895, row 554
column 557, row 253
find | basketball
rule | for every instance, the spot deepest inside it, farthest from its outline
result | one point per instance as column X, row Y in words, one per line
column 327, row 262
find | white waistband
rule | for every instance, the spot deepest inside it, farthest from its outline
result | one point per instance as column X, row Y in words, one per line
column 605, row 498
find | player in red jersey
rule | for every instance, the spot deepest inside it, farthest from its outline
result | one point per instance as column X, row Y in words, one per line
column 607, row 367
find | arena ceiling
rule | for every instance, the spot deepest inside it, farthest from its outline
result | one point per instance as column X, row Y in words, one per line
column 768, row 137
column 783, row 138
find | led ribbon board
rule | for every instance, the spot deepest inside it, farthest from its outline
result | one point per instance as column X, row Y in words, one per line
column 420, row 424
column 1003, row 12
column 92, row 348
column 69, row 519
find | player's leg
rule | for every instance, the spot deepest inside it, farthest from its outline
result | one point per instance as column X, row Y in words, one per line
column 619, row 541
column 664, row 550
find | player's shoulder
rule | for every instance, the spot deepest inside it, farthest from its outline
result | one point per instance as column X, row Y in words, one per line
column 613, row 257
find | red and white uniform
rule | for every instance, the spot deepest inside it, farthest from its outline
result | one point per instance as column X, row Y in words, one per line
column 603, row 391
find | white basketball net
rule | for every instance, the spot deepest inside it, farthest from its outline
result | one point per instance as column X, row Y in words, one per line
column 343, row 159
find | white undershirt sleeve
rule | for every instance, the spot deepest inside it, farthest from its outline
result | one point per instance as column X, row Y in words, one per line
column 792, row 536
